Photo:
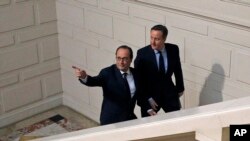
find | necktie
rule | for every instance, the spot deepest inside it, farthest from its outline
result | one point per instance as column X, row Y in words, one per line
column 161, row 63
column 126, row 83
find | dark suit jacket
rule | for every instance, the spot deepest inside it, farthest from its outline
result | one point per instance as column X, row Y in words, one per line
column 153, row 84
column 117, row 104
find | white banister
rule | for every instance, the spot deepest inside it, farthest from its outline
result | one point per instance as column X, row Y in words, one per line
column 202, row 137
column 206, row 121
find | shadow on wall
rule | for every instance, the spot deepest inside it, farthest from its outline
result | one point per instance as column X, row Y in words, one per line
column 212, row 89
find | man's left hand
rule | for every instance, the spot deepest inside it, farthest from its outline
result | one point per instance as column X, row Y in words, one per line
column 180, row 94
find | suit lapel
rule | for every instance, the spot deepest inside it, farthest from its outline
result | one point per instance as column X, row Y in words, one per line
column 153, row 57
column 119, row 76
column 169, row 58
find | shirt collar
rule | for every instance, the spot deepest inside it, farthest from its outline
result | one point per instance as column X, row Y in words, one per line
column 162, row 50
column 128, row 72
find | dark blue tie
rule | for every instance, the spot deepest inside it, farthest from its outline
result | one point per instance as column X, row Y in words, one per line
column 126, row 83
column 161, row 63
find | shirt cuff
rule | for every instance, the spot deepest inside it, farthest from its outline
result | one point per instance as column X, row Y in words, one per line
column 84, row 80
column 149, row 110
column 150, row 99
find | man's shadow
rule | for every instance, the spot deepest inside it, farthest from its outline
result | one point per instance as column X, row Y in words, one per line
column 212, row 89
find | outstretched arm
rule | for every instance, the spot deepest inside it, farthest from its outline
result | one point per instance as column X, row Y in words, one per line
column 85, row 79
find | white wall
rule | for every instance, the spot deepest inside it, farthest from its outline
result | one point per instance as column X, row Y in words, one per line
column 30, row 79
column 213, row 37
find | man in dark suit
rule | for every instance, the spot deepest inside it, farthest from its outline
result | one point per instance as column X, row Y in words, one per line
column 156, row 63
column 118, row 85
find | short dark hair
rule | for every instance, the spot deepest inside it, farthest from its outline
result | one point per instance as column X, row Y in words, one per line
column 126, row 47
column 161, row 28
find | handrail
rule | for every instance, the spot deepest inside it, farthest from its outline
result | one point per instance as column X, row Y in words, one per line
column 206, row 121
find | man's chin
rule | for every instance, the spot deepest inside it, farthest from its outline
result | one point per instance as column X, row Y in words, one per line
column 122, row 68
column 153, row 47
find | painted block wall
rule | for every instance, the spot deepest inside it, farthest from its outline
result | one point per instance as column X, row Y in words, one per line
column 213, row 38
column 30, row 78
